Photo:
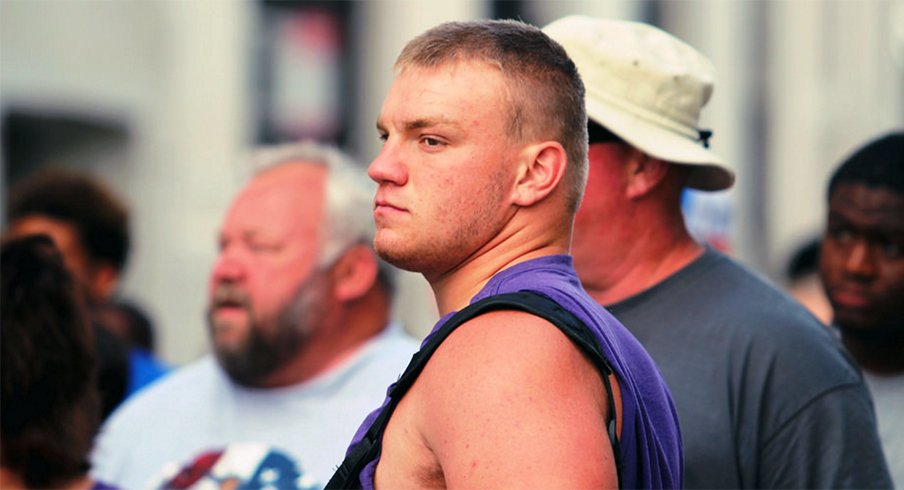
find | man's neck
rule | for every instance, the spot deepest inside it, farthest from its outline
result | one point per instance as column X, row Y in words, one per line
column 454, row 289
column 348, row 328
column 876, row 353
column 636, row 258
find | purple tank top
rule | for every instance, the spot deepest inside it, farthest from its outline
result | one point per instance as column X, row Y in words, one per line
column 650, row 438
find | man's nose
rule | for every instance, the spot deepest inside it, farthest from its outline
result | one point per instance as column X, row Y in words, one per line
column 860, row 262
column 227, row 268
column 387, row 167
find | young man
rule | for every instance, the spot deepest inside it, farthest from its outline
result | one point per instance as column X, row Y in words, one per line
column 862, row 268
column 766, row 397
column 299, row 321
column 482, row 168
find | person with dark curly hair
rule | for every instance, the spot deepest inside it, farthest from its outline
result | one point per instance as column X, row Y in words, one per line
column 49, row 398
column 89, row 224
column 85, row 219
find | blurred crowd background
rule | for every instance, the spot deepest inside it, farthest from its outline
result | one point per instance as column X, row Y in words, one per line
column 162, row 98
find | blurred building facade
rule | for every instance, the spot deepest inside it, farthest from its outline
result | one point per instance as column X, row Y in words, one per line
column 162, row 98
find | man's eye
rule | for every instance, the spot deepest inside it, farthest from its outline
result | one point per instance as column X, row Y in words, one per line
column 892, row 250
column 383, row 137
column 431, row 142
column 259, row 247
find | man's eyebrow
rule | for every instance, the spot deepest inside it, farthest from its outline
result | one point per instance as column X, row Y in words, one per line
column 421, row 123
column 428, row 122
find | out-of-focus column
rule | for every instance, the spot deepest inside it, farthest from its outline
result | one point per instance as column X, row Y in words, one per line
column 544, row 12
column 196, row 123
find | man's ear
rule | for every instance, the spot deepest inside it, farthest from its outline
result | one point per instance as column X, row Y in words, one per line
column 644, row 173
column 354, row 273
column 541, row 168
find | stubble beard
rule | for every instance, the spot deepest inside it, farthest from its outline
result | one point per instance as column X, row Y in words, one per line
column 435, row 253
column 271, row 342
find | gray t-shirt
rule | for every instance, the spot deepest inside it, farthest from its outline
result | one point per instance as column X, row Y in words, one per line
column 766, row 395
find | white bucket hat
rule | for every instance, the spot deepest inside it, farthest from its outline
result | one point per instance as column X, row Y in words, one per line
column 648, row 88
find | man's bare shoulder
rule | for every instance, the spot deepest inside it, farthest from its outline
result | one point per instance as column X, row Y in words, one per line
column 507, row 398
column 517, row 348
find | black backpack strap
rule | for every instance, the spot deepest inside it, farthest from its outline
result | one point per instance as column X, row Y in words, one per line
column 368, row 449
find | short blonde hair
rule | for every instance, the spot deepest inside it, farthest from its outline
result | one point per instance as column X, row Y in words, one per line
column 546, row 94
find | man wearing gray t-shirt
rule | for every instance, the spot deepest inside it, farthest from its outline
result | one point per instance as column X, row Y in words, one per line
column 766, row 397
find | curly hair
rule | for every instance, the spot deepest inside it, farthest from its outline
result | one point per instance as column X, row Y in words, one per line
column 50, row 406
column 98, row 215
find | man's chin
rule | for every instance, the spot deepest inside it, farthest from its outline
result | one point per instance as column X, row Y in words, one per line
column 228, row 329
column 237, row 370
column 855, row 322
column 227, row 347
column 407, row 258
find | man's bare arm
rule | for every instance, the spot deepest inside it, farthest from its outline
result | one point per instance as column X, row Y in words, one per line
column 508, row 400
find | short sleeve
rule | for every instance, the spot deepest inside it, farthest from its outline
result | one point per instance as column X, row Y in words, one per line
column 813, row 449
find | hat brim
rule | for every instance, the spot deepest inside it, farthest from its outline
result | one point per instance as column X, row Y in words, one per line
column 708, row 171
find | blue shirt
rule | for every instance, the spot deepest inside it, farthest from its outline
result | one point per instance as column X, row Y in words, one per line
column 144, row 369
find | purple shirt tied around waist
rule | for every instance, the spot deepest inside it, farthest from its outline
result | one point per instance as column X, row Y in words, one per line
column 650, row 438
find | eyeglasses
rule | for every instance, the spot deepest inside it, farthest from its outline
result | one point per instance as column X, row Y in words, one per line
column 598, row 134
